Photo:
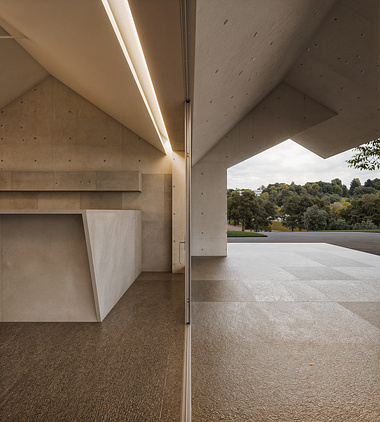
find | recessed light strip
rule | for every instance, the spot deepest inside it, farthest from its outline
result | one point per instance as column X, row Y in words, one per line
column 120, row 16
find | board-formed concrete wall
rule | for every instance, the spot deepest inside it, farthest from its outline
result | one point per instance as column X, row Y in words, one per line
column 53, row 129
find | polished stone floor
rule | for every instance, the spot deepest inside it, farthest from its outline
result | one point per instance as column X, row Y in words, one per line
column 280, row 332
column 286, row 332
column 128, row 368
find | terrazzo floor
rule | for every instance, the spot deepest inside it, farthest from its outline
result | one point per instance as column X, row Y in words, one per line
column 128, row 368
column 286, row 332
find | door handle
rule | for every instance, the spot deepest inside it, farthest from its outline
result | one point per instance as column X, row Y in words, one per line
column 179, row 250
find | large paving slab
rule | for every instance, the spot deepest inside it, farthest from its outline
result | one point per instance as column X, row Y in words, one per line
column 302, row 347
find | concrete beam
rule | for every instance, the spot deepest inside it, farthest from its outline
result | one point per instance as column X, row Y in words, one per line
column 39, row 181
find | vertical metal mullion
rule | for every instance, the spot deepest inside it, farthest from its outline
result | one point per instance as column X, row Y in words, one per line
column 188, row 213
column 186, row 388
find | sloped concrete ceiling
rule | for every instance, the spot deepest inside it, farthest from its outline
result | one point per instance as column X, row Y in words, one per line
column 18, row 70
column 74, row 41
column 243, row 50
column 159, row 27
column 329, row 51
column 340, row 69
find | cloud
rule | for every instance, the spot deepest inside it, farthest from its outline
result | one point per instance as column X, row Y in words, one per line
column 289, row 162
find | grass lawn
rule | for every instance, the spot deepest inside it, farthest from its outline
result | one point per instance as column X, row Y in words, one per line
column 232, row 233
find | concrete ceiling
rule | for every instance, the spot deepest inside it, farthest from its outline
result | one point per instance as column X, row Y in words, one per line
column 327, row 50
column 19, row 72
column 159, row 27
column 243, row 51
column 74, row 41
column 340, row 69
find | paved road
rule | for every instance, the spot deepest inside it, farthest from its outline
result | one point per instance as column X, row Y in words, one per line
column 365, row 242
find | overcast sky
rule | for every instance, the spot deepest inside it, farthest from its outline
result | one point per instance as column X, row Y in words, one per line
column 289, row 162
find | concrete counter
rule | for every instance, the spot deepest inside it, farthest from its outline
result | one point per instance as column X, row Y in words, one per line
column 66, row 265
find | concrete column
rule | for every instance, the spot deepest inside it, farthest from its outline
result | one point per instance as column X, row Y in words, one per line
column 178, row 210
column 209, row 209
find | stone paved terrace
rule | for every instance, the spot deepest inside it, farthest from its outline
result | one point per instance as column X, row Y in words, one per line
column 286, row 332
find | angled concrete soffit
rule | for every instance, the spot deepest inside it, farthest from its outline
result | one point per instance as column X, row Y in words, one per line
column 283, row 114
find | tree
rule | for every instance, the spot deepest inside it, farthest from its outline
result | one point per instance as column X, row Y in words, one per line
column 245, row 208
column 361, row 209
column 362, row 190
column 252, row 211
column 233, row 199
column 339, row 224
column 367, row 156
column 315, row 218
column 355, row 183
column 262, row 212
column 365, row 225
column 375, row 183
column 294, row 208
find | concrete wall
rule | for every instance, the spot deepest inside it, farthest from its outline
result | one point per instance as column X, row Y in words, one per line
column 45, row 271
column 53, row 129
column 114, row 259
column 66, row 265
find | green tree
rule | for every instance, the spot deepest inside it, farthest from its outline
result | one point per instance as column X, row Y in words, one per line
column 233, row 199
column 245, row 208
column 355, row 183
column 294, row 208
column 367, row 156
column 262, row 213
column 362, row 190
column 362, row 209
column 315, row 218
column 339, row 224
column 365, row 225
column 375, row 183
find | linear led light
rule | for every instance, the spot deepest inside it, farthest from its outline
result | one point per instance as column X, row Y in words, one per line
column 120, row 16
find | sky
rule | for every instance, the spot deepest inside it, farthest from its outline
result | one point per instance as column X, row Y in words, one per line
column 289, row 162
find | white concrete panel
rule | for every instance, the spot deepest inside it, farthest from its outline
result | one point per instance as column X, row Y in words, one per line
column 46, row 276
column 209, row 247
column 209, row 209
column 114, row 242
